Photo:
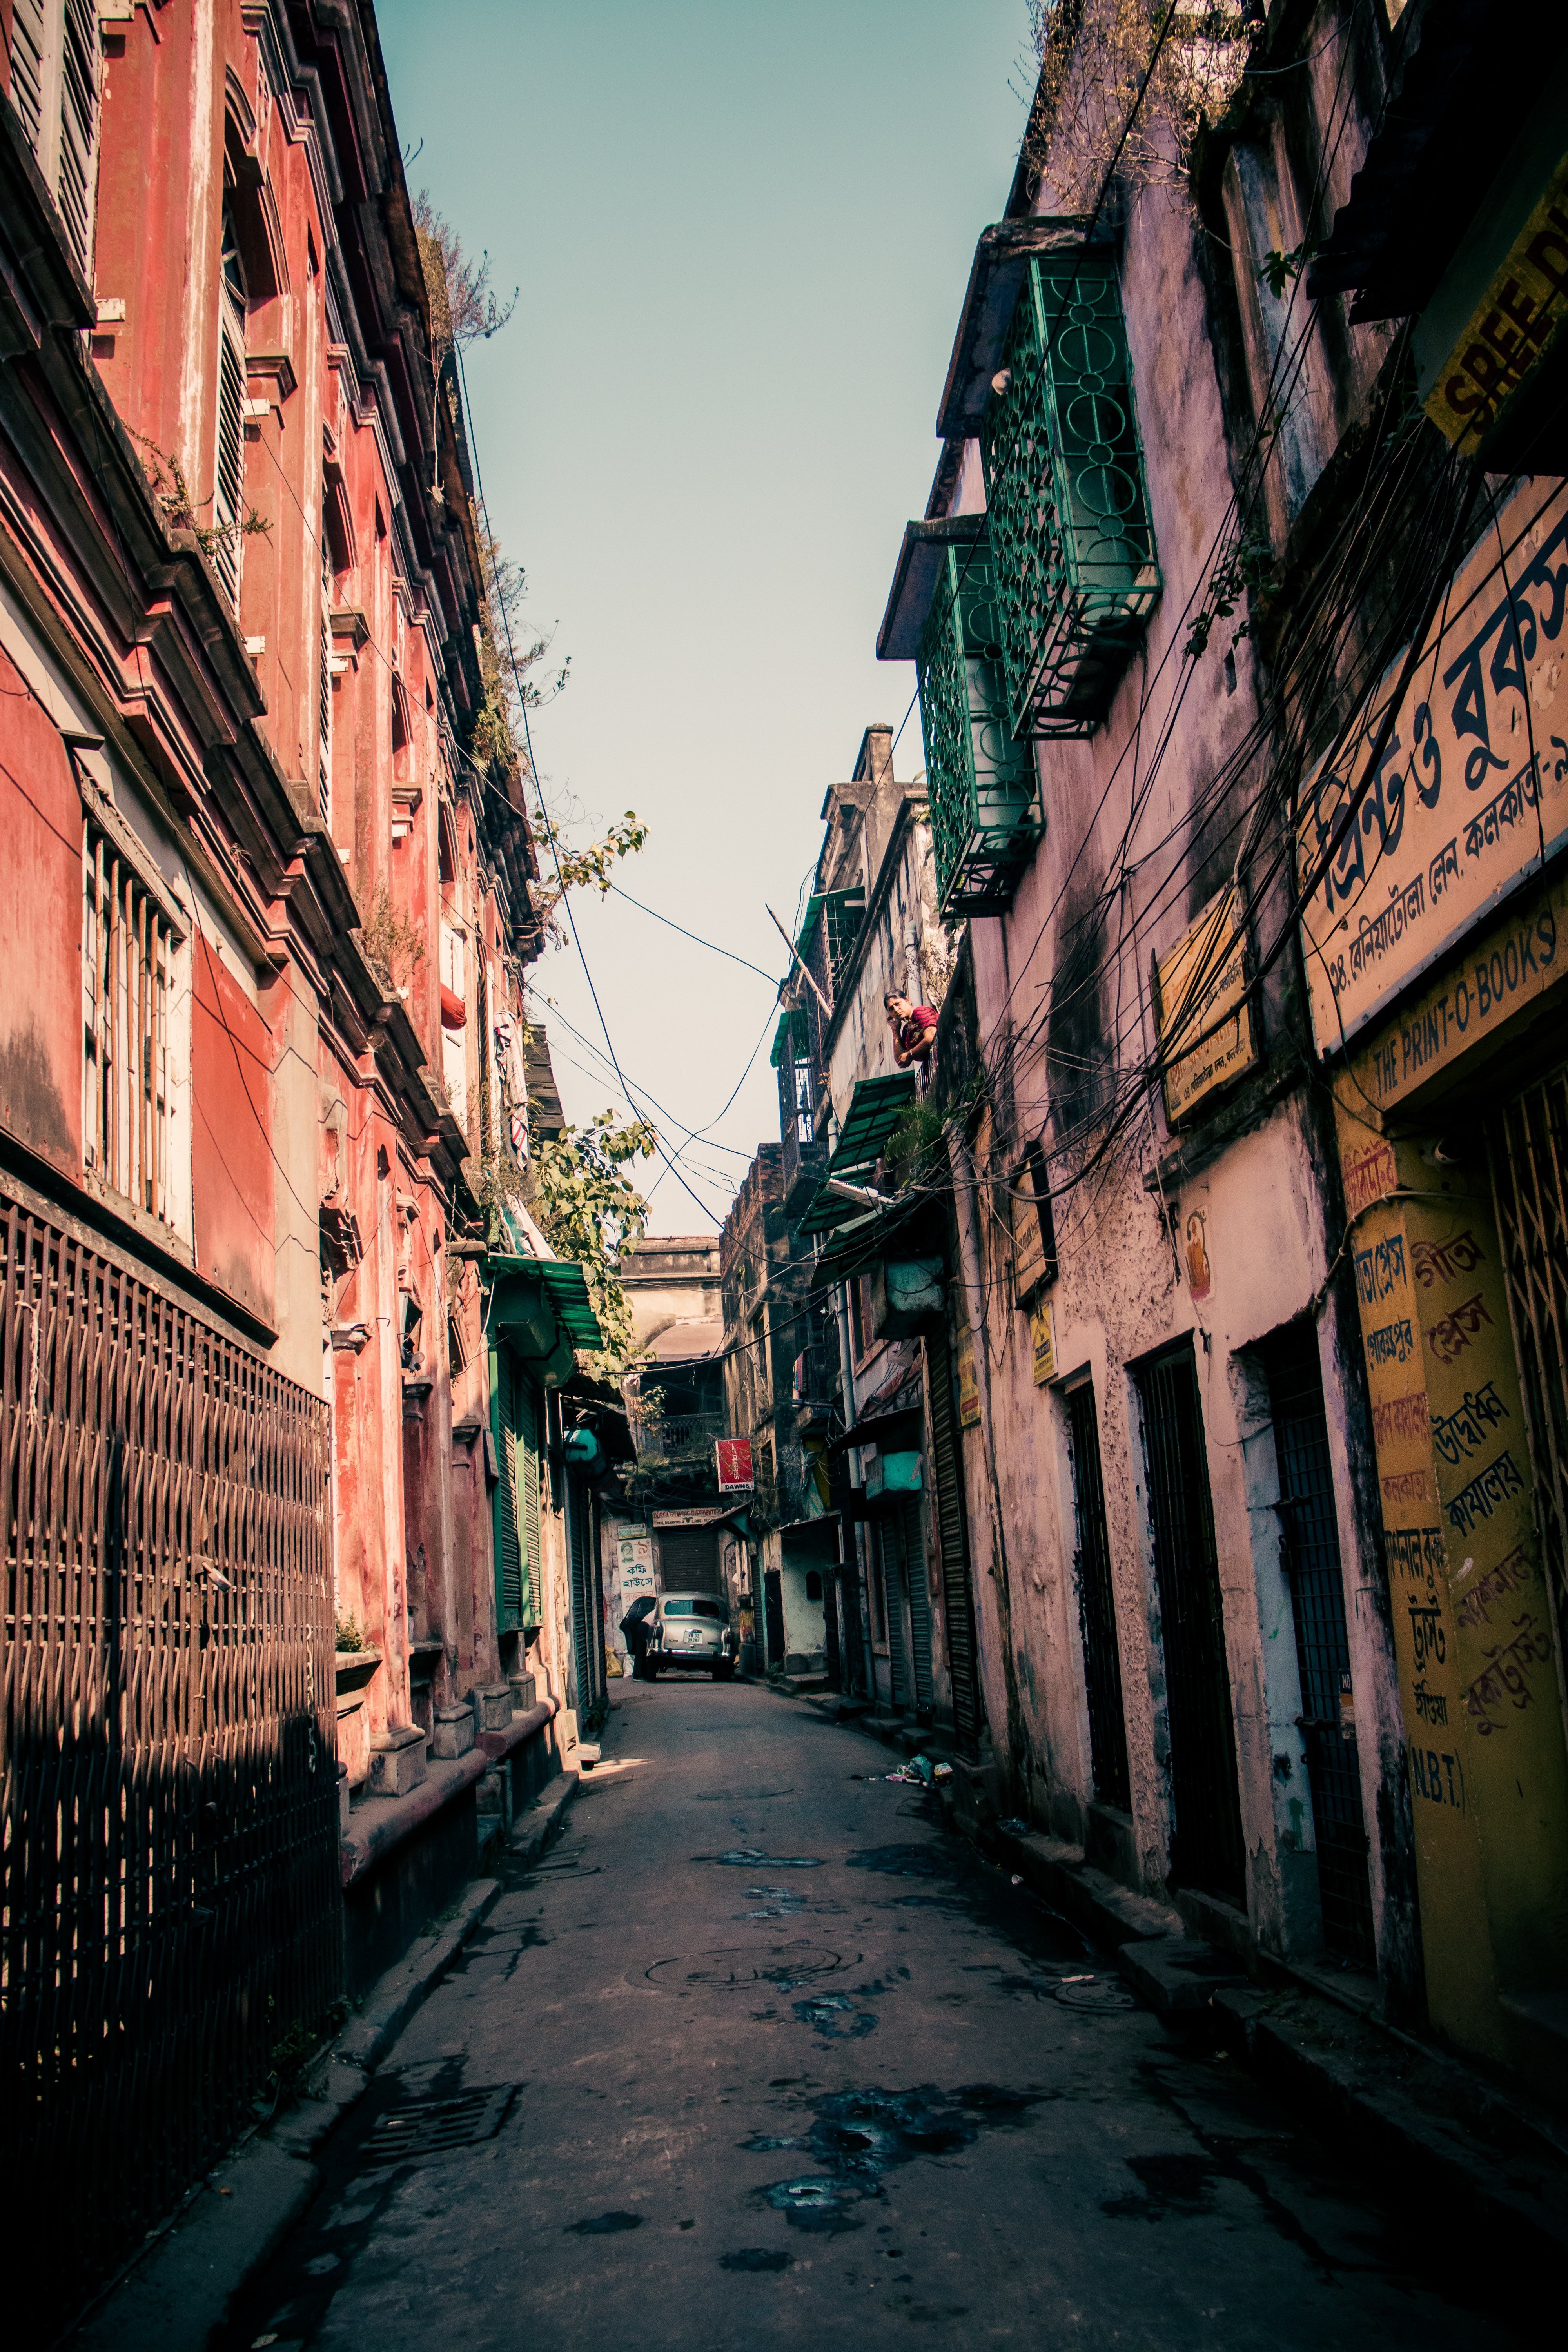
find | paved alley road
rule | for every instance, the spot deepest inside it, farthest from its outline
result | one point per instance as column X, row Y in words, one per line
column 775, row 2061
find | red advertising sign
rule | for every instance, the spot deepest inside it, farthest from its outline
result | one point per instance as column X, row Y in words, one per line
column 735, row 1465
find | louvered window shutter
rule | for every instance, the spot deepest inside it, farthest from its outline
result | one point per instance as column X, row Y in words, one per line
column 78, row 127
column 29, row 73
column 528, row 1449
column 508, row 1563
column 325, row 689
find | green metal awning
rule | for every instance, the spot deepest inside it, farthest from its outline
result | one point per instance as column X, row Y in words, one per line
column 564, row 1280
column 827, row 1212
column 791, row 1038
column 863, row 1237
column 539, row 1300
column 876, row 1108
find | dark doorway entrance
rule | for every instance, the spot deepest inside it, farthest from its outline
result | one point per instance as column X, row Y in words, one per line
column 1310, row 1534
column 1097, row 1607
column 1206, row 1845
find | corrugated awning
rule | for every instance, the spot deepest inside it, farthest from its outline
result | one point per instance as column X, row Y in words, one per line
column 876, row 1108
column 534, row 1296
column 815, row 905
column 790, row 1038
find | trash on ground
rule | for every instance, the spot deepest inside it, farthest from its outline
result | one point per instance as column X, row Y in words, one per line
column 1015, row 1828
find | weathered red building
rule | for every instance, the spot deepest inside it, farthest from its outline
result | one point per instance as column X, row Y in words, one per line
column 263, row 919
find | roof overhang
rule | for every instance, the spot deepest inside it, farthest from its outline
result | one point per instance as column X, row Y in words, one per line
column 995, row 277
column 1447, row 129
column 538, row 1303
column 920, row 567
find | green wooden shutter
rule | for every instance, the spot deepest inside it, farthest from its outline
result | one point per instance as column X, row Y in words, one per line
column 508, row 1567
column 530, row 1445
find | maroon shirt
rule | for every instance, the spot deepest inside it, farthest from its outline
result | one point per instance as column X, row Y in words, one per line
column 913, row 1032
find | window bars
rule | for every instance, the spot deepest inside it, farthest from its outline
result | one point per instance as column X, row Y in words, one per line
column 128, row 957
column 986, row 813
column 171, row 1907
column 1070, row 529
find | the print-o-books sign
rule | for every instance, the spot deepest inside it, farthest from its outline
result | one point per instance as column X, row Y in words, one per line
column 1472, row 793
column 1202, row 1007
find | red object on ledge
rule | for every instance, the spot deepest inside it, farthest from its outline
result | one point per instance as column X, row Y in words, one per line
column 454, row 1011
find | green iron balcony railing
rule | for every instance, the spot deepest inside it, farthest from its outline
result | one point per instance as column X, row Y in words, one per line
column 984, row 788
column 1067, row 505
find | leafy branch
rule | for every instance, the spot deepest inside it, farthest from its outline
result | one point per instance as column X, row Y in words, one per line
column 179, row 509
column 1276, row 270
column 1245, row 569
column 588, row 1209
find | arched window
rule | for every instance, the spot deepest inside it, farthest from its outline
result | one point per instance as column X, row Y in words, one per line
column 229, row 467
column 814, row 1584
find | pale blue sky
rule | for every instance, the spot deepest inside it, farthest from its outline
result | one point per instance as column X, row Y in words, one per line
column 742, row 235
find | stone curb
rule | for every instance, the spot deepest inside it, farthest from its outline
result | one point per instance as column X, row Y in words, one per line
column 537, row 1823
column 187, row 2281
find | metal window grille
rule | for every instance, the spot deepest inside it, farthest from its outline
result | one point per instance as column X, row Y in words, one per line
column 985, row 812
column 229, row 471
column 1067, row 504
column 128, row 955
column 1097, row 1607
column 1310, row 1534
column 171, row 1909
column 1528, row 1145
column 1206, row 1845
column 947, row 1501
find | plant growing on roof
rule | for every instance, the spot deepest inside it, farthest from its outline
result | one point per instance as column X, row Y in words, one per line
column 1105, row 64
column 392, row 949
column 179, row 509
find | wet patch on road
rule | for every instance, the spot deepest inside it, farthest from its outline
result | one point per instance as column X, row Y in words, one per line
column 1171, row 2184
column 738, row 1967
column 836, row 2018
column 602, row 2225
column 739, row 1796
column 902, row 1861
column 748, row 1857
column 857, row 2135
column 756, row 2258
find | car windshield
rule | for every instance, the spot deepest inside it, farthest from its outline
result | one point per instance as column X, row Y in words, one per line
column 694, row 1608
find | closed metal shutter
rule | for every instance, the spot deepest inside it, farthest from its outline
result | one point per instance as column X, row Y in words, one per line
column 947, row 1501
column 509, row 1565
column 688, row 1559
column 584, row 1593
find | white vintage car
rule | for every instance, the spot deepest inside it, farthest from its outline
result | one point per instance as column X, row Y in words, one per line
column 689, row 1631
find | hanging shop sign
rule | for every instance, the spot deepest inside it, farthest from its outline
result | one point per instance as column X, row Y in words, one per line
column 735, row 1465
column 1472, row 794
column 1516, row 318
column 1043, row 1343
column 1033, row 1227
column 1206, row 1034
column 968, row 1386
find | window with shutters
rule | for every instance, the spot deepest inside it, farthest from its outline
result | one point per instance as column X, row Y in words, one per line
column 324, row 682
column 130, row 947
column 516, row 1409
column 55, row 92
column 229, row 470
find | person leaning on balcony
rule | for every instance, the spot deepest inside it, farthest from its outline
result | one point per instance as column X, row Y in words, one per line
column 914, row 1027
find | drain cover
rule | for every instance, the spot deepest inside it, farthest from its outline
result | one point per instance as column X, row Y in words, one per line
column 782, row 1966
column 1096, row 1993
column 432, row 2126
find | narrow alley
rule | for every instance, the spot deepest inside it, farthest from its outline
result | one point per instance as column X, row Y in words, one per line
column 758, row 2054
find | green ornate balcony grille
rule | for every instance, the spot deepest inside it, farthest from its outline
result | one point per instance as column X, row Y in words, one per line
column 1066, row 501
column 984, row 790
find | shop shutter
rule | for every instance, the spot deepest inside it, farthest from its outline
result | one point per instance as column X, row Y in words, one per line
column 948, row 1502
column 508, row 1567
column 530, row 1447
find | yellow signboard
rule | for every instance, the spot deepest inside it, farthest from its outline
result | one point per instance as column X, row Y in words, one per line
column 1202, row 1007
column 1472, row 793
column 968, row 1386
column 1043, row 1341
column 1510, row 326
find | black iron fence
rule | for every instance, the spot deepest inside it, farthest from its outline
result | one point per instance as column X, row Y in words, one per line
column 170, row 1937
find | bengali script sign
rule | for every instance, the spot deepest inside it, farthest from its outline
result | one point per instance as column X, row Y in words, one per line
column 1472, row 793
column 1202, row 1009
